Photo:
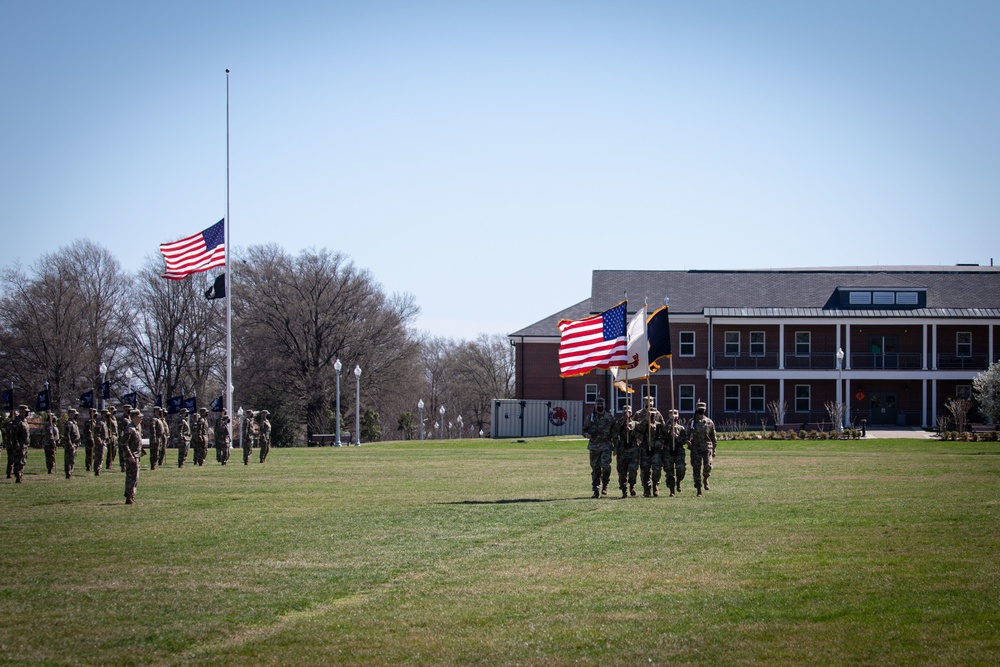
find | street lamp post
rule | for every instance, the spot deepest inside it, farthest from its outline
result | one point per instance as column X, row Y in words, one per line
column 104, row 372
column 337, row 366
column 357, row 403
column 128, row 378
column 459, row 422
column 420, row 407
column 840, row 387
column 239, row 421
column 441, row 412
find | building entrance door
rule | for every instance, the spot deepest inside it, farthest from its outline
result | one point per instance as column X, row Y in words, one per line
column 883, row 407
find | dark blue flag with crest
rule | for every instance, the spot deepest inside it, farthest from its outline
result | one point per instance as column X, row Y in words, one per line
column 175, row 404
column 42, row 402
column 87, row 399
column 8, row 399
column 159, row 401
column 106, row 390
column 217, row 405
column 132, row 398
column 191, row 404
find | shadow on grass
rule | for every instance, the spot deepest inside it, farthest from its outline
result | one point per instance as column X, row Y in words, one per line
column 508, row 501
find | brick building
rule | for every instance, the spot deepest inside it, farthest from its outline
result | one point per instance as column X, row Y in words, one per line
column 893, row 343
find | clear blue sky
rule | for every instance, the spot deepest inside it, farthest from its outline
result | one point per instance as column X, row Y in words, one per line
column 487, row 156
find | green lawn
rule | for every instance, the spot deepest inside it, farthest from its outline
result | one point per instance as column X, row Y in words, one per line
column 492, row 552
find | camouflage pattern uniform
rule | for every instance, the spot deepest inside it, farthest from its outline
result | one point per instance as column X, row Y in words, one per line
column 20, row 436
column 265, row 435
column 88, row 439
column 702, row 445
column 250, row 434
column 183, row 438
column 598, row 427
column 166, row 437
column 131, row 453
column 71, row 440
column 8, row 444
column 222, row 438
column 673, row 453
column 122, row 426
column 112, row 443
column 157, row 439
column 650, row 447
column 199, row 438
column 627, row 451
column 100, row 441
column 51, row 443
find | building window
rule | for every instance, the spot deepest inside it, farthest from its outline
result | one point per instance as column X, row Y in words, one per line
column 756, row 343
column 963, row 391
column 687, row 344
column 757, row 398
column 732, row 398
column 590, row 393
column 686, row 396
column 907, row 299
column 860, row 298
column 803, row 343
column 802, row 398
column 963, row 344
column 732, row 343
column 648, row 390
column 884, row 298
column 622, row 398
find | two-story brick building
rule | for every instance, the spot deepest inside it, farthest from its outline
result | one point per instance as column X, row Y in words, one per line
column 893, row 343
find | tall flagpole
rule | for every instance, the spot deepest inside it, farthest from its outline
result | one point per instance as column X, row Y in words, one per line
column 228, row 279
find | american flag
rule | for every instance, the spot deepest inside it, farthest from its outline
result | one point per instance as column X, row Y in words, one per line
column 199, row 252
column 595, row 342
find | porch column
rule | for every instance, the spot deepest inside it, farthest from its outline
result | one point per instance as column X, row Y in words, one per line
column 848, row 348
column 923, row 350
column 781, row 347
column 847, row 409
column 923, row 403
column 934, row 353
column 934, row 401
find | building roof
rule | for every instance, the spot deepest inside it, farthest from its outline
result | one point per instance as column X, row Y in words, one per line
column 951, row 291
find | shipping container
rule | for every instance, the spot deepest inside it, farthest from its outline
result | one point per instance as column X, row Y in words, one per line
column 514, row 418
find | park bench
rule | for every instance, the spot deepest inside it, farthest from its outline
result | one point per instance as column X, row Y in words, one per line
column 328, row 439
column 982, row 428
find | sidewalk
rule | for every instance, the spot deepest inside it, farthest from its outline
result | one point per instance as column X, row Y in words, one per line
column 899, row 432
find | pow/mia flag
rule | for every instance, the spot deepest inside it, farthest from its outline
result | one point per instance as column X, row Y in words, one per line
column 217, row 290
column 87, row 399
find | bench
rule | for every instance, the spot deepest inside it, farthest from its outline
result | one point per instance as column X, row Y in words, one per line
column 807, row 427
column 982, row 428
column 328, row 439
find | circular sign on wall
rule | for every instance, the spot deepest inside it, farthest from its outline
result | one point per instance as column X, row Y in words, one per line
column 558, row 416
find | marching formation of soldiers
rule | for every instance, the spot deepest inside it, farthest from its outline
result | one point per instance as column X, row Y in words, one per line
column 104, row 439
column 648, row 446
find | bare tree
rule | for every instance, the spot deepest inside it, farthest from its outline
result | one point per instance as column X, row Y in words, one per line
column 480, row 371
column 778, row 409
column 836, row 411
column 959, row 409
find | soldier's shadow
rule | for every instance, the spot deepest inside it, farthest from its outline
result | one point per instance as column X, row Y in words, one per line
column 510, row 501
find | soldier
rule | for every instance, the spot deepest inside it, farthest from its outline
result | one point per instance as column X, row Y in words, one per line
column 166, row 437
column 20, row 436
column 183, row 438
column 122, row 425
column 702, row 445
column 100, row 440
column 131, row 453
column 88, row 439
column 8, row 444
column 598, row 429
column 51, row 443
column 222, row 438
column 112, row 444
column 265, row 435
column 71, row 440
column 157, row 438
column 250, row 433
column 199, row 438
column 673, row 453
column 650, row 453
column 627, row 451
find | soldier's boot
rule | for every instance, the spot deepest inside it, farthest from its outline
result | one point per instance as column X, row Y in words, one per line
column 631, row 489
column 597, row 493
column 130, row 501
column 604, row 489
column 678, row 486
column 18, row 477
column 671, row 485
column 645, row 492
column 699, row 490
column 656, row 490
column 706, row 483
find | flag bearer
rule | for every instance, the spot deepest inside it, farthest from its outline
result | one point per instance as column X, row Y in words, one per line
column 673, row 453
column 627, row 451
column 598, row 429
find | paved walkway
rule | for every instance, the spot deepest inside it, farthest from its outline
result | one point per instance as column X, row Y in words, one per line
column 899, row 432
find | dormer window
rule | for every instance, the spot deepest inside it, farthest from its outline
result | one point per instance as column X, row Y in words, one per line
column 881, row 298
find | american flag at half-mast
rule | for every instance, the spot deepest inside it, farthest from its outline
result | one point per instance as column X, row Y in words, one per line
column 198, row 252
column 594, row 342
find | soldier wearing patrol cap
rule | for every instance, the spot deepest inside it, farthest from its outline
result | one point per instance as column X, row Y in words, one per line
column 648, row 421
column 87, row 434
column 199, row 439
column 157, row 438
column 112, row 423
column 702, row 445
column 51, row 442
column 71, row 440
column 20, row 435
column 131, row 453
column 627, row 452
column 250, row 433
column 100, row 440
column 673, row 452
column 222, row 438
column 265, row 435
column 183, row 437
column 598, row 427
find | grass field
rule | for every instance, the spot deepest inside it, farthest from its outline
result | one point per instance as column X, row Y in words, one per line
column 492, row 552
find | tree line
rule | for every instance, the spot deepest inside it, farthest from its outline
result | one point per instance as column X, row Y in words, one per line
column 76, row 310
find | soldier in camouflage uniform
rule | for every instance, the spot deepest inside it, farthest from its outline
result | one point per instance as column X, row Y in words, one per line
column 100, row 440
column 71, row 441
column 183, row 437
column 673, row 452
column 51, row 443
column 251, row 431
column 131, row 453
column 199, row 439
column 598, row 428
column 627, row 451
column 112, row 437
column 20, row 437
column 8, row 443
column 88, row 439
column 702, row 445
column 166, row 437
column 156, row 438
column 222, row 438
column 265, row 435
column 650, row 452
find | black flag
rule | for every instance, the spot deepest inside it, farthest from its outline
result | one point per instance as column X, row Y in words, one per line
column 106, row 390
column 87, row 399
column 42, row 403
column 217, row 405
column 159, row 401
column 218, row 290
column 132, row 398
column 8, row 399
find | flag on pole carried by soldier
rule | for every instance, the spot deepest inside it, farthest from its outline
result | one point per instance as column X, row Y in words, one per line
column 218, row 404
column 191, row 404
column 132, row 398
column 595, row 342
column 198, row 252
column 42, row 402
column 174, row 404
column 87, row 399
column 658, row 333
column 8, row 398
column 637, row 367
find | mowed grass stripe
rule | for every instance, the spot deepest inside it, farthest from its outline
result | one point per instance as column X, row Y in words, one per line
column 476, row 552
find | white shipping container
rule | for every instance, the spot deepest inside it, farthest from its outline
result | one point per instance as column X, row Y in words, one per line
column 513, row 418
